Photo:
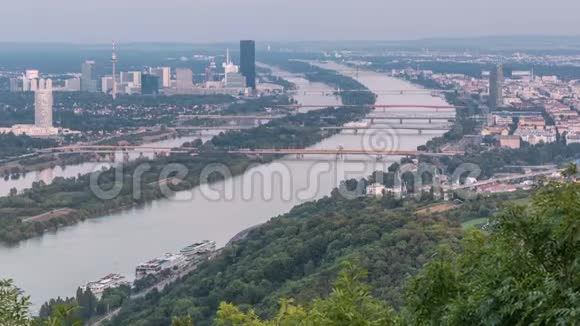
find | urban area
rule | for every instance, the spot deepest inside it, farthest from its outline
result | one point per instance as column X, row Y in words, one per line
column 425, row 182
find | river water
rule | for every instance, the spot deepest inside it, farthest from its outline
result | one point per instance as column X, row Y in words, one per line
column 47, row 175
column 57, row 263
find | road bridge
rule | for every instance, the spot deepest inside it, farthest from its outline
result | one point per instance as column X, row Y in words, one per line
column 432, row 92
column 502, row 180
column 419, row 129
column 373, row 106
column 340, row 152
column 208, row 128
column 402, row 118
column 273, row 151
column 229, row 117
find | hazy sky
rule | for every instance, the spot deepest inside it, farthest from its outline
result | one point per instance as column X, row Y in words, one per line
column 83, row 21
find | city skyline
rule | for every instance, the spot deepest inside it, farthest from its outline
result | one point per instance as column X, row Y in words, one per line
column 183, row 21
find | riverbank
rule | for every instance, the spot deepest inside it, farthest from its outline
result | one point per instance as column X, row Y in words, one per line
column 297, row 131
column 117, row 242
column 39, row 162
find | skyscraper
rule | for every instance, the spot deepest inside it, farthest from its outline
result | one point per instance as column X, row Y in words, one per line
column 183, row 78
column 164, row 74
column 149, row 84
column 14, row 85
column 43, row 104
column 248, row 62
column 496, row 87
column 107, row 85
column 88, row 77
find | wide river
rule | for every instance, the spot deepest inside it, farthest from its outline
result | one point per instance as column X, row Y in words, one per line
column 57, row 263
column 47, row 175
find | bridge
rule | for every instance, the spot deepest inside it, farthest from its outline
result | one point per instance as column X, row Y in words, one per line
column 313, row 91
column 340, row 152
column 229, row 117
column 374, row 106
column 401, row 118
column 208, row 128
column 420, row 129
column 113, row 149
column 502, row 180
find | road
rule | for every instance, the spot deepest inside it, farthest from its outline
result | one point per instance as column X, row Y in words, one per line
column 159, row 286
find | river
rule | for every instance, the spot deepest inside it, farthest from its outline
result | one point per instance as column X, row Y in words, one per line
column 47, row 175
column 57, row 263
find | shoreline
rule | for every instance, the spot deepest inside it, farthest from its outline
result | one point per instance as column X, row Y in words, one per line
column 145, row 218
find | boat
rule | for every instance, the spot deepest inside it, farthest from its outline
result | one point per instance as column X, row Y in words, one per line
column 158, row 265
column 108, row 282
column 198, row 249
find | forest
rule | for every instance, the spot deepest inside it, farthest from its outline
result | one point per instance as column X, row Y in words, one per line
column 368, row 261
column 14, row 146
column 397, row 268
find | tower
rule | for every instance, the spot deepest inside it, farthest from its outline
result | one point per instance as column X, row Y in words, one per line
column 114, row 63
column 43, row 104
column 496, row 87
column 88, row 75
column 248, row 62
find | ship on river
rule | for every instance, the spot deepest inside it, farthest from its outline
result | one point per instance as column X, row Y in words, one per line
column 198, row 249
column 108, row 282
column 158, row 265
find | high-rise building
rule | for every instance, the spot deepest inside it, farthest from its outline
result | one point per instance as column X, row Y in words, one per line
column 496, row 87
column 33, row 84
column 88, row 76
column 149, row 84
column 72, row 84
column 30, row 80
column 107, row 85
column 14, row 85
column 32, row 73
column 131, row 78
column 164, row 74
column 232, row 76
column 248, row 62
column 43, row 104
column 183, row 78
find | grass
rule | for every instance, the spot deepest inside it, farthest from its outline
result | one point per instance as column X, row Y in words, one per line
column 474, row 223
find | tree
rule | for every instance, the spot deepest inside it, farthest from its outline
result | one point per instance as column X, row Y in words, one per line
column 184, row 321
column 524, row 272
column 349, row 304
column 14, row 309
column 62, row 315
column 13, row 305
column 570, row 171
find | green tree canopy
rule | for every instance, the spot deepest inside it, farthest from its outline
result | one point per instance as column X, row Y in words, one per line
column 525, row 272
column 350, row 304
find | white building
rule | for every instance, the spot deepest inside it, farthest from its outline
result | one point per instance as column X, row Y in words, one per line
column 43, row 104
column 132, row 78
column 376, row 190
column 573, row 138
column 107, row 84
column 42, row 126
column 32, row 74
column 73, row 84
column 535, row 136
column 233, row 78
